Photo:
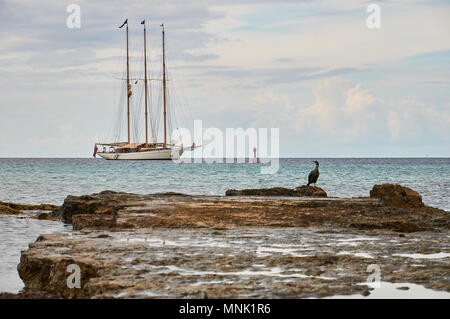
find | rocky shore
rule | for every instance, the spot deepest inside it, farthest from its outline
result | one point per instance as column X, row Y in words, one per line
column 389, row 207
column 265, row 243
column 18, row 209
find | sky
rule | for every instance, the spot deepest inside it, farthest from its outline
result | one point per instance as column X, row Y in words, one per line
column 312, row 68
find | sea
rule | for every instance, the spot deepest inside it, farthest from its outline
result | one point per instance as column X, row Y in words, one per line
column 50, row 180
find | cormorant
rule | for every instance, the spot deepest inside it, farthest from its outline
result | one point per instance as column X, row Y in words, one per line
column 313, row 175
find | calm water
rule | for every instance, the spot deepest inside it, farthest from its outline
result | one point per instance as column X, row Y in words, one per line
column 51, row 180
column 15, row 235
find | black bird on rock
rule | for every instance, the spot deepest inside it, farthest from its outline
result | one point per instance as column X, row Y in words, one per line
column 313, row 175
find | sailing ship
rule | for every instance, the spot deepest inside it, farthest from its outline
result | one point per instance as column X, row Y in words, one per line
column 143, row 150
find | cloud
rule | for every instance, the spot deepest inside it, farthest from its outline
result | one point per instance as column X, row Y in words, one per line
column 340, row 112
column 412, row 121
column 357, row 99
column 310, row 67
column 348, row 113
column 272, row 76
column 40, row 28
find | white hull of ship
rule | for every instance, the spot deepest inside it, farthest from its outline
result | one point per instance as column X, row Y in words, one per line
column 166, row 154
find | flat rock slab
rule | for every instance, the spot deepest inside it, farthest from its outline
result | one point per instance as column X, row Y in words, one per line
column 16, row 209
column 234, row 263
column 115, row 211
column 302, row 191
column 178, row 246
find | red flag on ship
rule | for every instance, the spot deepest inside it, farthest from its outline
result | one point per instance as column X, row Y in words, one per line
column 95, row 150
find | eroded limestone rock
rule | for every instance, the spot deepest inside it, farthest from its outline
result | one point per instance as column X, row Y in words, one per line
column 16, row 209
column 278, row 246
column 272, row 263
column 397, row 196
column 110, row 210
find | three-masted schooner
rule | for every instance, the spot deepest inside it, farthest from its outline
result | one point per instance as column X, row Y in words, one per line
column 144, row 150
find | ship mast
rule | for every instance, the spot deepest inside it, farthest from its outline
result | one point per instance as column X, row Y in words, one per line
column 128, row 86
column 146, row 87
column 164, row 86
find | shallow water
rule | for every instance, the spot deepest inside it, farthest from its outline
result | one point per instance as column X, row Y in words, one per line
column 28, row 180
column 15, row 235
column 387, row 290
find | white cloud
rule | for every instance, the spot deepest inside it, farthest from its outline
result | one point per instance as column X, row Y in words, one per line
column 414, row 122
column 343, row 112
column 357, row 98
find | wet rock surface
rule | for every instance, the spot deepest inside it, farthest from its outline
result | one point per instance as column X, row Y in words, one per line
column 30, row 294
column 178, row 246
column 244, row 263
column 17, row 209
